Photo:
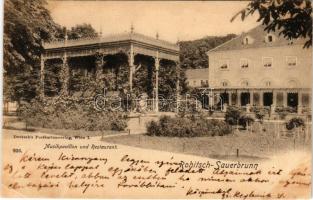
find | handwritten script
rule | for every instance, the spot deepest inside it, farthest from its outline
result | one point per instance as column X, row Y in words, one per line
column 120, row 173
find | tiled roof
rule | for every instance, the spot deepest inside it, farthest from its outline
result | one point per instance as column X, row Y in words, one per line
column 258, row 35
column 202, row 74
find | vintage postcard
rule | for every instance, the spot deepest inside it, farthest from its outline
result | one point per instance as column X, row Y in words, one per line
column 157, row 99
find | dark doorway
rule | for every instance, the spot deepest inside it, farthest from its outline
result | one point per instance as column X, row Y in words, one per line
column 267, row 98
column 245, row 98
column 292, row 99
column 225, row 97
column 205, row 101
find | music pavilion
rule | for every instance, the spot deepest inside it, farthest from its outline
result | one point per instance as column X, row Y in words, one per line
column 98, row 55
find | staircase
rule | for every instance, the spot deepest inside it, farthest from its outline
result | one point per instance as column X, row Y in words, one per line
column 137, row 122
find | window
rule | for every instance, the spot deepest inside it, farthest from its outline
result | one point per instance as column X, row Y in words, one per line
column 204, row 83
column 270, row 38
column 244, row 63
column 224, row 64
column 224, row 84
column 267, row 62
column 291, row 61
column 267, row 83
column 245, row 83
column 292, row 83
column 247, row 40
column 194, row 82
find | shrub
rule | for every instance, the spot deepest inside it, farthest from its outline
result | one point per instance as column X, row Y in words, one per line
column 192, row 126
column 295, row 123
column 245, row 121
column 260, row 113
column 283, row 112
column 232, row 115
column 70, row 114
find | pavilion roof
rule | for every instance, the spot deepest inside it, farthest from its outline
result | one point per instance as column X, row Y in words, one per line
column 134, row 37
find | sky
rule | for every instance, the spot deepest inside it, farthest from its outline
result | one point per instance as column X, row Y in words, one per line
column 172, row 20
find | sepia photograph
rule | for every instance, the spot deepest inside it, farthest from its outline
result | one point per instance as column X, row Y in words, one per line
column 157, row 99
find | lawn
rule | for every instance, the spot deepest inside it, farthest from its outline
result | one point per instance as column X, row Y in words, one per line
column 260, row 145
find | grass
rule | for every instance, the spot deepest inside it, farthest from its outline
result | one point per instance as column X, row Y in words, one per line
column 259, row 144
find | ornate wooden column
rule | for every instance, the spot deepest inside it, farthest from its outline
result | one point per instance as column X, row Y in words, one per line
column 42, row 76
column 64, row 72
column 157, row 66
column 177, row 79
column 64, row 76
column 131, row 66
column 99, row 66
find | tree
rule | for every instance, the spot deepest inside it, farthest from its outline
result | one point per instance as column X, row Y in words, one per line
column 292, row 18
column 26, row 24
column 82, row 31
column 193, row 53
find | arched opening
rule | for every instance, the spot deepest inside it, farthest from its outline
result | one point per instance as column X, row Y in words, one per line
column 292, row 100
column 225, row 97
column 244, row 83
column 245, row 98
column 267, row 98
column 292, row 83
column 205, row 101
column 224, row 83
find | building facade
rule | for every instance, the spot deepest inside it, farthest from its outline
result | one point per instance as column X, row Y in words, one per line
column 197, row 78
column 262, row 69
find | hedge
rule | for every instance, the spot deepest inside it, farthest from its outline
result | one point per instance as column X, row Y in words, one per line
column 187, row 127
